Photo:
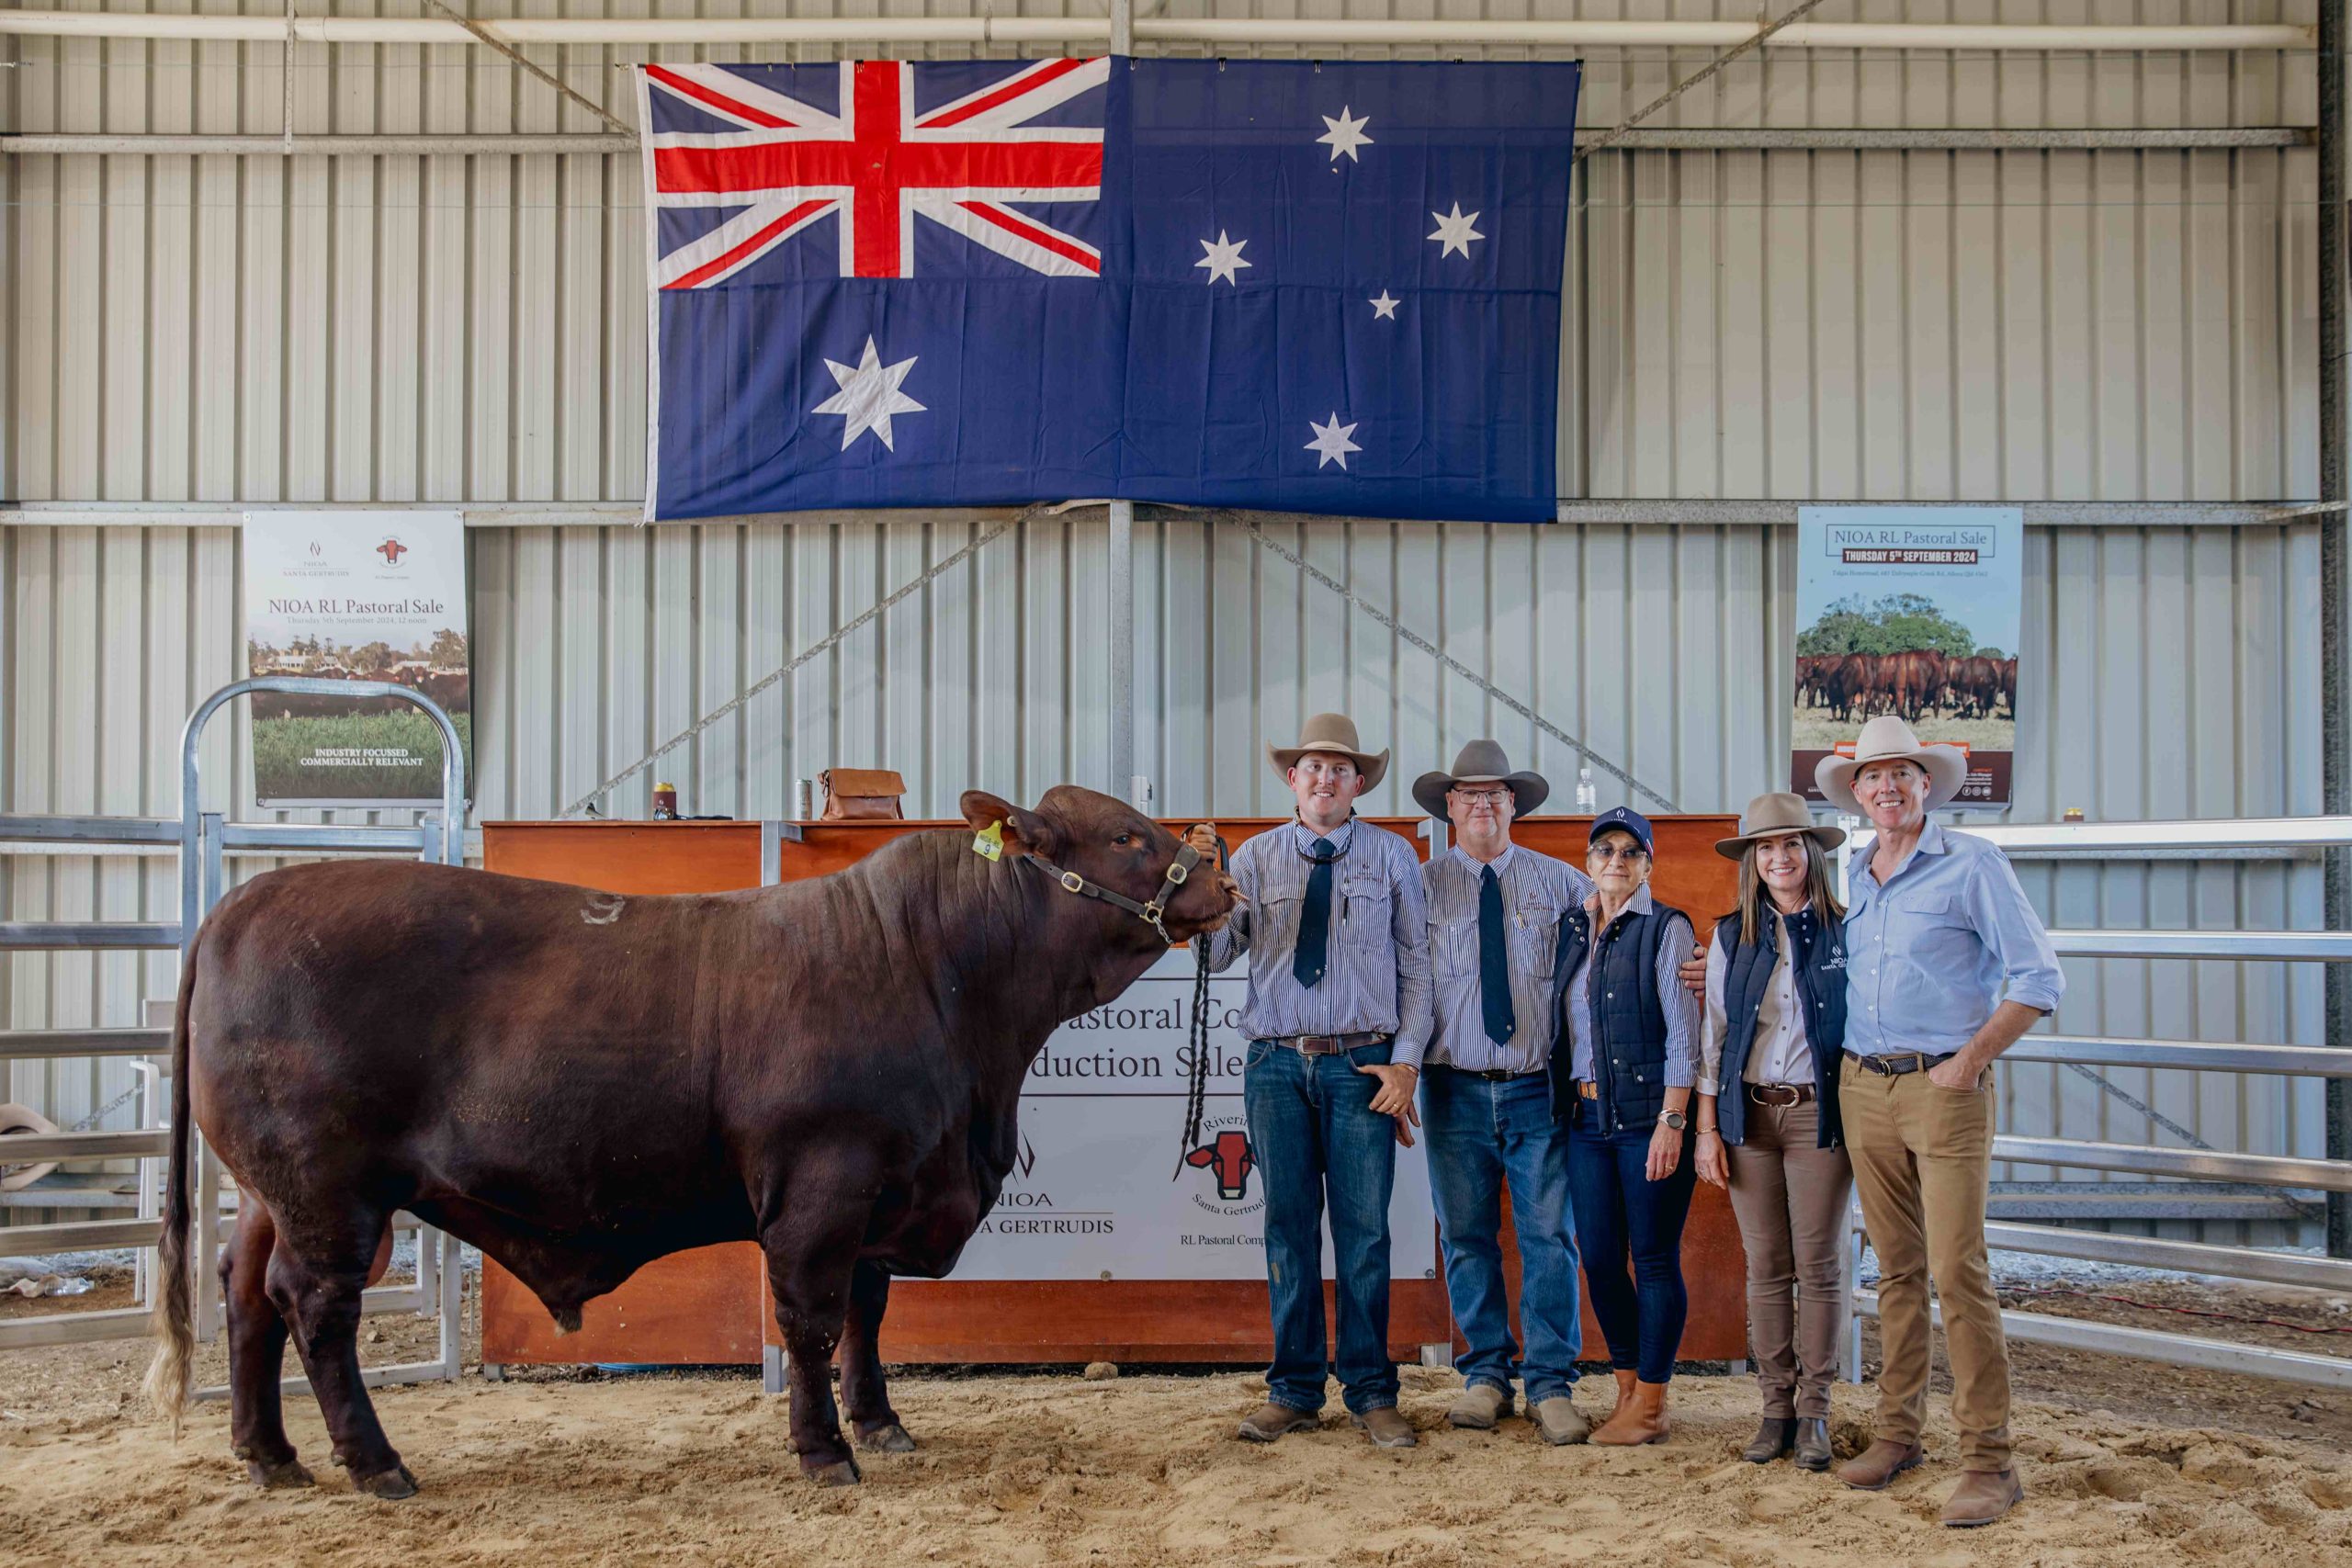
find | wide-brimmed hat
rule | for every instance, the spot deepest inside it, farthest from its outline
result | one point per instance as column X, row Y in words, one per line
column 1336, row 733
column 1775, row 816
column 1482, row 762
column 1887, row 739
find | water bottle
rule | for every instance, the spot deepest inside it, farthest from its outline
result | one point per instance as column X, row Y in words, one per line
column 1588, row 796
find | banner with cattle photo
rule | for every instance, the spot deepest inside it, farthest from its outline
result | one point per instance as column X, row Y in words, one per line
column 1916, row 611
column 365, row 595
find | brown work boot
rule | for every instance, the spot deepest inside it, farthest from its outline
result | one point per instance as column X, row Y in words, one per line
column 1813, row 1443
column 1641, row 1419
column 1271, row 1420
column 1982, row 1496
column 1387, row 1428
column 1559, row 1422
column 1625, row 1380
column 1876, row 1468
column 1776, row 1435
column 1479, row 1406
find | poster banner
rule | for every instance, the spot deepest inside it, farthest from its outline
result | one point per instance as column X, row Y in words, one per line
column 1916, row 611
column 358, row 595
column 1099, row 1188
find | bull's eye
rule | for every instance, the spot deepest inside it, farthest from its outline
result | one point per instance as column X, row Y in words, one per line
column 1123, row 840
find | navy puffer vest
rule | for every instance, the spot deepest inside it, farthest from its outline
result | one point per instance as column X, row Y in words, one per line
column 1628, row 1022
column 1817, row 950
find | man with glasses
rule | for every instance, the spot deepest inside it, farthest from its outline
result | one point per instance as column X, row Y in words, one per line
column 1494, row 911
column 1338, row 1012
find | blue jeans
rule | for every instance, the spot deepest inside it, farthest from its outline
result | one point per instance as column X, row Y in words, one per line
column 1620, row 1212
column 1314, row 1133
column 1480, row 1135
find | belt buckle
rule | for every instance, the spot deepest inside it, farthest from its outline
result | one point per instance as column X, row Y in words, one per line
column 1771, row 1093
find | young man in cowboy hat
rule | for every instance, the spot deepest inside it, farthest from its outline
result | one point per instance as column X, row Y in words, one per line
column 1947, row 965
column 1338, row 1013
column 1495, row 910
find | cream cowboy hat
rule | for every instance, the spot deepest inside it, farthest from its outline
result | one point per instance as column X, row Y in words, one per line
column 1482, row 762
column 1336, row 733
column 1777, row 816
column 1887, row 739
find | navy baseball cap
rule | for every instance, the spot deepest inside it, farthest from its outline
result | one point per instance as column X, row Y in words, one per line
column 1624, row 819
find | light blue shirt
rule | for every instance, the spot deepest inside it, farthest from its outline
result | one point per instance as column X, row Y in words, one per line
column 1537, row 890
column 1377, row 980
column 1930, row 952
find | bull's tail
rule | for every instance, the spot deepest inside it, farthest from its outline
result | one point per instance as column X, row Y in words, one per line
column 169, row 1377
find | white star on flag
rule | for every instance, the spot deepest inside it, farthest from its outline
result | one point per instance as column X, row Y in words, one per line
column 1224, row 256
column 1331, row 442
column 870, row 395
column 1384, row 308
column 1346, row 135
column 1455, row 230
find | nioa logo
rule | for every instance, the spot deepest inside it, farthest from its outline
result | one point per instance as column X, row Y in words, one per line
column 1016, row 1193
column 391, row 549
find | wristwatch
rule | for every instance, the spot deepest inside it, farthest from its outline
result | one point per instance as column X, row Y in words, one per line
column 1674, row 1119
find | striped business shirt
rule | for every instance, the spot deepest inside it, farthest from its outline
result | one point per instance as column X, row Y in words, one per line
column 1537, row 890
column 1377, row 977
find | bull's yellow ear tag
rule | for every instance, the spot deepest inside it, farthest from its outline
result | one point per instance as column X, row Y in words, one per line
column 989, row 843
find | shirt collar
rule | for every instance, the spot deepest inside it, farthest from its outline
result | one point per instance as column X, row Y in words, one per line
column 1501, row 863
column 1641, row 903
column 1304, row 836
column 1931, row 842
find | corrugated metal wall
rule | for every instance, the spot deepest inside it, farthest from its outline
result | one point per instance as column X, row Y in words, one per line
column 1927, row 326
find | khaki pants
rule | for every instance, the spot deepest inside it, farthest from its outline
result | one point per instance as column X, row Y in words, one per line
column 1922, row 1156
column 1790, row 1197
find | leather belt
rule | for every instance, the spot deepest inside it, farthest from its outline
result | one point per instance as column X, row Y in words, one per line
column 1781, row 1094
column 1899, row 1064
column 1330, row 1044
column 1588, row 1089
column 1487, row 1075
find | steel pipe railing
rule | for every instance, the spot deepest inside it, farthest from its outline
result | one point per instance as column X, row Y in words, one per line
column 51, row 936
column 2195, row 1055
column 2152, row 1345
column 2309, row 947
column 2275, row 1170
column 20, row 830
column 2185, row 1256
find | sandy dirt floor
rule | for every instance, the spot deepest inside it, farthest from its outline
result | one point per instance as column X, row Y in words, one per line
column 2125, row 1462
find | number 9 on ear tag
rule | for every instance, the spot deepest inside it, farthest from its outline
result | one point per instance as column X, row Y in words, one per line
column 989, row 843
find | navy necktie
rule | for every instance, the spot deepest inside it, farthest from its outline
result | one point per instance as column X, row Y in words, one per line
column 1494, row 961
column 1307, row 964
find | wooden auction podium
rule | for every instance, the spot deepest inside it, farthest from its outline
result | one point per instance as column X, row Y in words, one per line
column 710, row 1306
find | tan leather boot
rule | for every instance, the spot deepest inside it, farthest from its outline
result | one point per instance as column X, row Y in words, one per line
column 1479, row 1406
column 1876, row 1468
column 1641, row 1419
column 1625, row 1382
column 1982, row 1496
column 1387, row 1428
column 1271, row 1420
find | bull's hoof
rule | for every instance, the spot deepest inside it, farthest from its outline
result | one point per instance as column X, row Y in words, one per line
column 886, row 1437
column 838, row 1472
column 392, row 1485
column 283, row 1473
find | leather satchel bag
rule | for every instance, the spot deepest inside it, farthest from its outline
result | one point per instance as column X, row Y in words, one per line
column 862, row 795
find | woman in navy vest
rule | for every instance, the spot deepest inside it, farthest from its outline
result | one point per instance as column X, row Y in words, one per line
column 1768, row 1088
column 1623, row 1071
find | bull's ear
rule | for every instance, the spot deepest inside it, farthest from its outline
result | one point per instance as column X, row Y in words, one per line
column 1025, row 832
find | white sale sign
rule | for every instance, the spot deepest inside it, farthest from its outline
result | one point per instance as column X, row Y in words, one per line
column 1100, row 1189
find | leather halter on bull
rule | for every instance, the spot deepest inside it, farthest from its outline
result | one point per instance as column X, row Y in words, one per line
column 1155, row 912
column 1179, row 871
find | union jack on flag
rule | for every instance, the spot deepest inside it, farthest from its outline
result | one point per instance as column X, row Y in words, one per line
column 1330, row 287
column 876, row 161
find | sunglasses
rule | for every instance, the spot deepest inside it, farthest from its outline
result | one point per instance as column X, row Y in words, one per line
column 1627, row 852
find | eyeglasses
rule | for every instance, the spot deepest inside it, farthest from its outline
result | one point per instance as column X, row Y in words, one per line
column 1627, row 852
column 1481, row 796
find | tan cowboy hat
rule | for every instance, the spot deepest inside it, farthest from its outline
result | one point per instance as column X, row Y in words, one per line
column 1333, row 732
column 22, row 1119
column 1482, row 762
column 1887, row 739
column 1777, row 816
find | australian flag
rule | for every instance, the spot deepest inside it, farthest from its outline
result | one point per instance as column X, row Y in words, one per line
column 1323, row 288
